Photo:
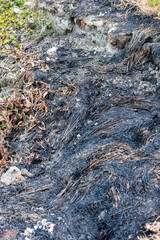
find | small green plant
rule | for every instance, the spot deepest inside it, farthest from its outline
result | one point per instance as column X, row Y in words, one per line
column 154, row 2
column 12, row 22
column 3, row 125
column 16, row 20
column 47, row 28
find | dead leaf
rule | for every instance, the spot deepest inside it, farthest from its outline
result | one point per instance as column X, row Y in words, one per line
column 27, row 103
column 155, row 227
column 45, row 94
column 23, row 71
column 17, row 104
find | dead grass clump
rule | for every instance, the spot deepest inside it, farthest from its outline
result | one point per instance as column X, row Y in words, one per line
column 24, row 104
column 22, row 110
column 138, row 51
column 154, row 228
column 149, row 7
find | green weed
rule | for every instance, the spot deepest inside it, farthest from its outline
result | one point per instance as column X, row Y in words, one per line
column 15, row 19
column 3, row 125
column 154, row 3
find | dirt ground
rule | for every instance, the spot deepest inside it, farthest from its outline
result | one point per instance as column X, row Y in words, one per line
column 94, row 156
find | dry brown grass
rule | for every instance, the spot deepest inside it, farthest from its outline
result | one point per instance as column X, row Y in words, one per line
column 149, row 7
column 24, row 107
column 154, row 228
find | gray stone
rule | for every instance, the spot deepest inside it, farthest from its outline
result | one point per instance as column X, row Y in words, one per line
column 25, row 173
column 12, row 176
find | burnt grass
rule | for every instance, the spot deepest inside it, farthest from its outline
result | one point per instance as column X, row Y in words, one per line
column 96, row 169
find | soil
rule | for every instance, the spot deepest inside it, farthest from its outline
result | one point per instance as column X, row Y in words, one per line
column 95, row 155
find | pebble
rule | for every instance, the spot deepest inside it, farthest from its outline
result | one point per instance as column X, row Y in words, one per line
column 25, row 173
column 15, row 176
column 52, row 51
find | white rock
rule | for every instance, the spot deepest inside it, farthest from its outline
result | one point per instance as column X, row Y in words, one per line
column 89, row 122
column 89, row 20
column 52, row 50
column 51, row 227
column 99, row 23
column 12, row 176
column 78, row 136
column 28, row 232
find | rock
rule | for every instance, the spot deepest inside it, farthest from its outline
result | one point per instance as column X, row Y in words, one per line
column 43, row 225
column 52, row 50
column 118, row 39
column 12, row 176
column 25, row 173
